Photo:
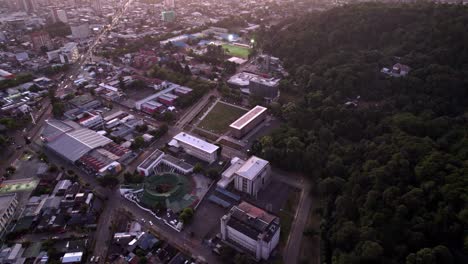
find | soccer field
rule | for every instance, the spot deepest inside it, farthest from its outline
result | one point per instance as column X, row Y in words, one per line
column 220, row 117
column 237, row 51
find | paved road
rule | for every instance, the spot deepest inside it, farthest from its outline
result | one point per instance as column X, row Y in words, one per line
column 293, row 246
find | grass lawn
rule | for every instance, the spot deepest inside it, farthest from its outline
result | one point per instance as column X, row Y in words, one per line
column 237, row 51
column 220, row 117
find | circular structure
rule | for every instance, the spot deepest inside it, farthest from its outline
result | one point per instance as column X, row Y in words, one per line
column 170, row 189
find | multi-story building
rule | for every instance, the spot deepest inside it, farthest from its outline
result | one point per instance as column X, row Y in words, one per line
column 69, row 53
column 80, row 31
column 41, row 39
column 8, row 204
column 251, row 229
column 29, row 6
column 96, row 5
column 248, row 121
column 59, row 15
column 252, row 176
column 264, row 88
column 196, row 147
column 168, row 16
column 169, row 4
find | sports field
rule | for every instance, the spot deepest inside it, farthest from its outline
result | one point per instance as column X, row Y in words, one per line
column 237, row 51
column 22, row 185
column 220, row 117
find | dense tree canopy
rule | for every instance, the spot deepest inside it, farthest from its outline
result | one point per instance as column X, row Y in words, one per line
column 392, row 166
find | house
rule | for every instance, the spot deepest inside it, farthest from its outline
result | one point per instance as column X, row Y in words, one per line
column 398, row 70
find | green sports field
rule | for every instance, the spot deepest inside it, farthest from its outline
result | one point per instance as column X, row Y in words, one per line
column 22, row 185
column 220, row 117
column 237, row 51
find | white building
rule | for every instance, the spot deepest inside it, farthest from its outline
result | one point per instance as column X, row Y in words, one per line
column 147, row 166
column 73, row 257
column 8, row 204
column 196, row 147
column 251, row 229
column 69, row 53
column 249, row 176
column 248, row 121
column 91, row 120
column 80, row 31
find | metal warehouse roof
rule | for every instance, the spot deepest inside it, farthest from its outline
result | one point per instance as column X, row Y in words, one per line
column 72, row 143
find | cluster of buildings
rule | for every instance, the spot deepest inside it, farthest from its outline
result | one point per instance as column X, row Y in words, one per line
column 66, row 208
column 166, row 97
column 82, row 146
column 131, row 244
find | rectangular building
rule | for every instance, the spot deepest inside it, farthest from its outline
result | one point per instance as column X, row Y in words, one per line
column 252, row 176
column 248, row 121
column 196, row 147
column 8, row 204
column 151, row 107
column 168, row 99
column 252, row 229
column 264, row 88
column 146, row 167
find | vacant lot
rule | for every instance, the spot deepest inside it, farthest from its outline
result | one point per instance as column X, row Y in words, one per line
column 220, row 117
column 237, row 51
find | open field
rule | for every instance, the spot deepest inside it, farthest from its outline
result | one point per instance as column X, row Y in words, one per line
column 237, row 51
column 220, row 117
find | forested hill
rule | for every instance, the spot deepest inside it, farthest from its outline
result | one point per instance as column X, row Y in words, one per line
column 392, row 169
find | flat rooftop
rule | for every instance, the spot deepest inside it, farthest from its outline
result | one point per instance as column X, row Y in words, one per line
column 248, row 117
column 150, row 159
column 177, row 162
column 252, row 167
column 196, row 142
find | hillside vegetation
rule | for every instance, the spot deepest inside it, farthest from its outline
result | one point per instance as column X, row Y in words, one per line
column 392, row 170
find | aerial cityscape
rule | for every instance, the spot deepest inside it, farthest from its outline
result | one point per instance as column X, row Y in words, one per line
column 228, row 131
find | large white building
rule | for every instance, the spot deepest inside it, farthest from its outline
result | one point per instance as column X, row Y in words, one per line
column 196, row 147
column 67, row 54
column 8, row 204
column 251, row 229
column 248, row 121
column 147, row 166
column 249, row 176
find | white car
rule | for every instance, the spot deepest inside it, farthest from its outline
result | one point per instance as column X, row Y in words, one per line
column 151, row 223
